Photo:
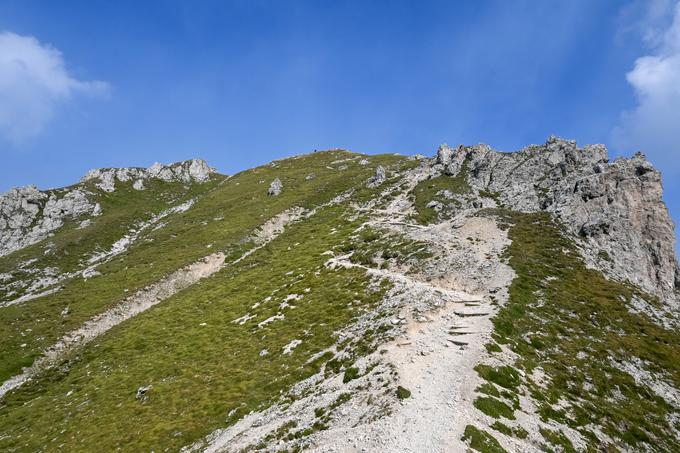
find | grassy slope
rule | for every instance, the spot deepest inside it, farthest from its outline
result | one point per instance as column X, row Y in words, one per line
column 223, row 217
column 69, row 249
column 201, row 372
column 572, row 322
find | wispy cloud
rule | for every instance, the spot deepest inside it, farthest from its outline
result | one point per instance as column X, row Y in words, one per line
column 653, row 126
column 33, row 81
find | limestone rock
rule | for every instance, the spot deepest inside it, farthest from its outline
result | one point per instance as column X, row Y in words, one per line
column 613, row 207
column 28, row 215
column 444, row 154
column 275, row 188
column 194, row 170
column 378, row 178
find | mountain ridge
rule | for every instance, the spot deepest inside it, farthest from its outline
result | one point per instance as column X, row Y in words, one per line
column 524, row 300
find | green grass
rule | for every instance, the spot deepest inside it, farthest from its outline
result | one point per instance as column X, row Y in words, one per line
column 493, row 407
column 518, row 432
column 201, row 364
column 199, row 372
column 223, row 217
column 372, row 246
column 428, row 190
column 493, row 347
column 488, row 389
column 504, row 376
column 481, row 440
column 403, row 393
column 351, row 374
column 558, row 439
column 582, row 311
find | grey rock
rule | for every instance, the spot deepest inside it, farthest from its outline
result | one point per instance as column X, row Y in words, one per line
column 28, row 215
column 444, row 154
column 275, row 188
column 143, row 393
column 90, row 273
column 194, row 170
column 378, row 178
column 613, row 207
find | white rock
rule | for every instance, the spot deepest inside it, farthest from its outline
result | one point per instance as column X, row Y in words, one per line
column 275, row 188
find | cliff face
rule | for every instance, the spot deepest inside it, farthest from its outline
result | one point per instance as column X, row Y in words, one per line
column 615, row 208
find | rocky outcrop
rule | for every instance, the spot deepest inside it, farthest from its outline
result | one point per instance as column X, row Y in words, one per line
column 378, row 178
column 194, row 170
column 28, row 215
column 614, row 208
column 275, row 188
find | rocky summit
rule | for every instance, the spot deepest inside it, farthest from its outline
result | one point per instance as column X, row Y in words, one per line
column 474, row 300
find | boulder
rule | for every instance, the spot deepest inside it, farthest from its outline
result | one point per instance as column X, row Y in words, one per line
column 378, row 178
column 275, row 188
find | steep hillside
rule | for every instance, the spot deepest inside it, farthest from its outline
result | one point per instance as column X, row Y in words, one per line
column 523, row 301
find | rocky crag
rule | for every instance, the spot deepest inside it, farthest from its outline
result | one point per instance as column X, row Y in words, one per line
column 616, row 208
column 473, row 300
column 28, row 215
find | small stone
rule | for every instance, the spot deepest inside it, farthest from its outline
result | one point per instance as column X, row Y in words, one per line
column 142, row 393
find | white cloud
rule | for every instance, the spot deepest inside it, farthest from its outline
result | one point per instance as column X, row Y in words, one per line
column 33, row 81
column 654, row 125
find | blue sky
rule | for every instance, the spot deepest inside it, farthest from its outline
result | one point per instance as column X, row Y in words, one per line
column 116, row 83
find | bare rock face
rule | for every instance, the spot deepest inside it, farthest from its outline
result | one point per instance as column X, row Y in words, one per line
column 28, row 215
column 444, row 154
column 195, row 170
column 615, row 209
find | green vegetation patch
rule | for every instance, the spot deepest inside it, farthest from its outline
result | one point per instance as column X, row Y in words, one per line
column 430, row 190
column 351, row 374
column 505, row 376
column 494, row 407
column 225, row 214
column 372, row 247
column 576, row 324
column 493, row 347
column 558, row 439
column 204, row 365
column 481, row 440
column 403, row 393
